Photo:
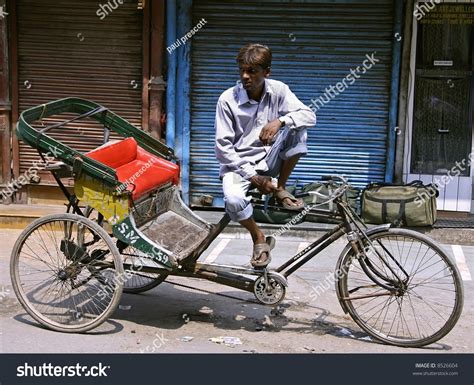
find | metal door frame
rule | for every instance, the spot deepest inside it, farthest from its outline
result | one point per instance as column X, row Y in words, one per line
column 407, row 175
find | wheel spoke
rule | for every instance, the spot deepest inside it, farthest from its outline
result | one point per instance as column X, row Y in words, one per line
column 422, row 306
column 57, row 289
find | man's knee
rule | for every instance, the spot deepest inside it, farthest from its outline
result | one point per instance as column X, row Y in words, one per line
column 238, row 206
column 295, row 144
column 300, row 137
column 235, row 201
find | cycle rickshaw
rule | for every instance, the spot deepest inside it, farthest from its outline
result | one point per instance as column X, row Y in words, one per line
column 127, row 229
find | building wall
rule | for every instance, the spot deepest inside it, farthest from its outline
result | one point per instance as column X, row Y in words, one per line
column 5, row 103
column 455, row 194
column 110, row 53
column 317, row 47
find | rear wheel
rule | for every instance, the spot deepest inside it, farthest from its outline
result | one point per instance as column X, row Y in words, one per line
column 135, row 262
column 135, row 279
column 404, row 290
column 67, row 272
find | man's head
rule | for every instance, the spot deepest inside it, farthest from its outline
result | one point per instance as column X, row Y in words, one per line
column 254, row 62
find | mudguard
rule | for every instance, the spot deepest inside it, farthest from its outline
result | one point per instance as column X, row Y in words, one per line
column 347, row 248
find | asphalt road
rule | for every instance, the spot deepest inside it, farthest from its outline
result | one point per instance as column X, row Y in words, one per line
column 182, row 315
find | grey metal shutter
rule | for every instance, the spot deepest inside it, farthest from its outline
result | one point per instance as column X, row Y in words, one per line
column 66, row 49
column 314, row 44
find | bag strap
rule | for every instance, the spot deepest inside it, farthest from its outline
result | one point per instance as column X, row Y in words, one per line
column 401, row 219
column 417, row 183
column 384, row 212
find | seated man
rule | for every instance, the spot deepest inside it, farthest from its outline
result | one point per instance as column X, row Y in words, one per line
column 260, row 133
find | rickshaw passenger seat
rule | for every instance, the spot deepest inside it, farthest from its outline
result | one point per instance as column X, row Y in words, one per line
column 135, row 166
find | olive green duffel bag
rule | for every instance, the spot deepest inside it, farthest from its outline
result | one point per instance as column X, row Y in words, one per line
column 410, row 205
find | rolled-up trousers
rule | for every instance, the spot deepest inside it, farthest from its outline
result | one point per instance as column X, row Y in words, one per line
column 288, row 143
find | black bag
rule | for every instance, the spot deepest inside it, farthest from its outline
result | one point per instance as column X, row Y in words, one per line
column 277, row 217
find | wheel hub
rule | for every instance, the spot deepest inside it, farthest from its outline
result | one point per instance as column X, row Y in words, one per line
column 69, row 272
column 270, row 289
column 63, row 275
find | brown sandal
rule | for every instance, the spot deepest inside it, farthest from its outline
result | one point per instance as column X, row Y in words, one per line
column 261, row 252
column 281, row 195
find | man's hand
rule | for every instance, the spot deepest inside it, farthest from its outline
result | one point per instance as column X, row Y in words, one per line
column 269, row 131
column 263, row 184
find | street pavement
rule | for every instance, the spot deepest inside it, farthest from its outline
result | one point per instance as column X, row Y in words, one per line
column 196, row 310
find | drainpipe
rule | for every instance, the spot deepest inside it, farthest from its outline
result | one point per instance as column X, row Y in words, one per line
column 404, row 92
column 157, row 85
column 183, row 96
column 394, row 93
column 172, row 65
column 5, row 106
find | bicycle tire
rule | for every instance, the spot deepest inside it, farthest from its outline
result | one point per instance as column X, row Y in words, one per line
column 137, row 283
column 345, row 291
column 66, row 269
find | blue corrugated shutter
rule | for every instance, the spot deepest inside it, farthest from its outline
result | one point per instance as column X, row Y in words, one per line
column 315, row 44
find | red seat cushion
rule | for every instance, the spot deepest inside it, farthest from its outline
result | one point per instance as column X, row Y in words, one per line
column 115, row 154
column 160, row 163
column 136, row 168
column 142, row 177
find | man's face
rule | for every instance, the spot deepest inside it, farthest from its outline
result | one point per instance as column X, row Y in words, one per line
column 252, row 76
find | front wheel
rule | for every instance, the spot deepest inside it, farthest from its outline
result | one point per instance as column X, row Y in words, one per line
column 403, row 289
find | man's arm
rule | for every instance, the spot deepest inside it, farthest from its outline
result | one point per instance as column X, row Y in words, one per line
column 294, row 113
column 225, row 137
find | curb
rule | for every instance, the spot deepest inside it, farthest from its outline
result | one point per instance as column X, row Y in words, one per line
column 19, row 216
column 457, row 236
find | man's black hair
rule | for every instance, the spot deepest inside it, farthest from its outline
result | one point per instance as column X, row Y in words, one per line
column 255, row 54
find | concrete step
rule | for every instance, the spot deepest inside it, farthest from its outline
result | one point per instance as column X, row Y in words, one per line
column 19, row 216
column 312, row 230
